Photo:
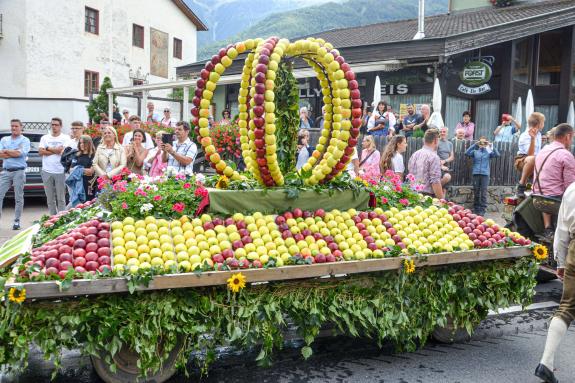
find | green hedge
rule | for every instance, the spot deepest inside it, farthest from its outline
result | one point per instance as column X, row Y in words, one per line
column 396, row 306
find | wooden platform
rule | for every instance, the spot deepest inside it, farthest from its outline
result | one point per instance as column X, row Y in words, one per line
column 50, row 289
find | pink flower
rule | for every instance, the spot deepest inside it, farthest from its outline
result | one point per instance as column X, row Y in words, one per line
column 180, row 177
column 384, row 200
column 389, row 173
column 398, row 189
column 201, row 192
column 404, row 202
column 140, row 192
column 187, row 185
column 124, row 205
column 419, row 187
column 157, row 197
column 117, row 177
column 178, row 207
column 410, row 177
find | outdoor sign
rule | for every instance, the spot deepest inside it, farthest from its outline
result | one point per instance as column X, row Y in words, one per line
column 475, row 76
column 389, row 89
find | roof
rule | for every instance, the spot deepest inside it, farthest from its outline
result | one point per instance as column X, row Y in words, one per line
column 191, row 15
column 445, row 35
column 443, row 26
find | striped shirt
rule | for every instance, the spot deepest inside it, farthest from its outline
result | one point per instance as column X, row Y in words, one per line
column 425, row 166
column 186, row 149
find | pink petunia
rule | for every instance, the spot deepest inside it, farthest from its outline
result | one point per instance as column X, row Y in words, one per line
column 398, row 189
column 124, row 205
column 410, row 177
column 180, row 177
column 404, row 202
column 389, row 173
column 384, row 200
column 178, row 207
column 201, row 192
column 187, row 185
column 157, row 197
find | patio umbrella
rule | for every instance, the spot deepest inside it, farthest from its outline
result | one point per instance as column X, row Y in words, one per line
column 529, row 108
column 519, row 112
column 436, row 120
column 376, row 92
column 571, row 115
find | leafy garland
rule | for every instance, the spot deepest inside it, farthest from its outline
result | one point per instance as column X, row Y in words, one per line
column 287, row 117
column 403, row 306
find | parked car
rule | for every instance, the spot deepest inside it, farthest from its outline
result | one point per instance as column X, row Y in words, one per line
column 34, row 186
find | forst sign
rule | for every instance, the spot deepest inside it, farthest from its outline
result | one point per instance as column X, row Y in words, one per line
column 475, row 77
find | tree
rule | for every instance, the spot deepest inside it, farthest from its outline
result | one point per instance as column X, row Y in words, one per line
column 99, row 104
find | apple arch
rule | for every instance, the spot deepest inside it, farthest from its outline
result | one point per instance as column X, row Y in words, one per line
column 341, row 98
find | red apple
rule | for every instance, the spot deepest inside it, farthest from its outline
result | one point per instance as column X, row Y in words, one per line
column 104, row 260
column 91, row 256
column 79, row 252
column 80, row 261
column 92, row 247
column 104, row 251
column 92, row 266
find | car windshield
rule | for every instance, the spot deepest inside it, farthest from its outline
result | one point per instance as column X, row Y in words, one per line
column 33, row 137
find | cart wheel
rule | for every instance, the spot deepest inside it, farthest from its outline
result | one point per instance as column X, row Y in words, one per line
column 450, row 334
column 127, row 370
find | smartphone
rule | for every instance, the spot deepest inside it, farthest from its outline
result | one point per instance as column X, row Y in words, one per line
column 167, row 138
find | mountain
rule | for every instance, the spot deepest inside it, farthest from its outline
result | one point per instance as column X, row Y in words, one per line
column 226, row 18
column 306, row 20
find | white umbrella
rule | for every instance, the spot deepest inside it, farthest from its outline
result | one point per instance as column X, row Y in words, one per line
column 571, row 115
column 376, row 93
column 436, row 120
column 529, row 108
column 436, row 96
column 519, row 112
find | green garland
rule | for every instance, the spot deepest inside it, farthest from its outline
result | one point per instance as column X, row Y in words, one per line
column 393, row 305
column 287, row 117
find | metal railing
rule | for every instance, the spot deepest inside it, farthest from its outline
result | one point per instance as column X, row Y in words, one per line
column 36, row 126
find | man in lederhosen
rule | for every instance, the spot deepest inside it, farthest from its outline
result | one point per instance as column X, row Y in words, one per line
column 564, row 245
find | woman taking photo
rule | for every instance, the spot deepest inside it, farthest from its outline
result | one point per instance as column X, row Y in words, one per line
column 369, row 162
column 136, row 153
column 110, row 157
column 82, row 185
column 392, row 158
column 155, row 162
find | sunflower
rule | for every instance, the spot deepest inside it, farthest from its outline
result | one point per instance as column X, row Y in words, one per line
column 223, row 182
column 237, row 282
column 409, row 266
column 540, row 252
column 17, row 296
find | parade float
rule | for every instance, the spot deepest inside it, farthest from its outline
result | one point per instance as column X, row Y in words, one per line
column 158, row 269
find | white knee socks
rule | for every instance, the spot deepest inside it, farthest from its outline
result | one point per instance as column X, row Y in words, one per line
column 557, row 330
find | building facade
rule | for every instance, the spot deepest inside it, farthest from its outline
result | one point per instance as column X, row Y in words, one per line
column 484, row 57
column 55, row 54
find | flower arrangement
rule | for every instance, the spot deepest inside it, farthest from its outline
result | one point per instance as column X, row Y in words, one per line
column 540, row 253
column 132, row 195
column 392, row 192
column 226, row 139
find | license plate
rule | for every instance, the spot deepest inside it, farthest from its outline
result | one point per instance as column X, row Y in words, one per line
column 32, row 170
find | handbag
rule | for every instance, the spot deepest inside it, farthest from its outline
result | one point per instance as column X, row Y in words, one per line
column 543, row 203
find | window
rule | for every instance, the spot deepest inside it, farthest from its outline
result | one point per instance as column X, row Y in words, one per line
column 137, row 36
column 91, row 21
column 522, row 60
column 91, row 83
column 549, row 63
column 177, row 48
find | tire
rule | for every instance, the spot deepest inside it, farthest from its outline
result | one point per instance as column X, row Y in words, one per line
column 127, row 370
column 449, row 334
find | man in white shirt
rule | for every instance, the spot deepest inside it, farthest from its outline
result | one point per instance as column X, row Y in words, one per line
column 564, row 248
column 50, row 148
column 135, row 123
column 181, row 155
column 529, row 146
column 153, row 118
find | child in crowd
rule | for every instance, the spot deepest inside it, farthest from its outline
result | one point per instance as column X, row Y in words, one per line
column 481, row 152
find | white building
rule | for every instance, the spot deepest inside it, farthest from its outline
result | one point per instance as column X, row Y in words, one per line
column 53, row 54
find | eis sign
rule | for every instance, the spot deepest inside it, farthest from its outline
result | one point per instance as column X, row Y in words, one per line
column 476, row 75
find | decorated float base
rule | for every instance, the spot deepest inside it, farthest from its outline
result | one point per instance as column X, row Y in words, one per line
column 270, row 201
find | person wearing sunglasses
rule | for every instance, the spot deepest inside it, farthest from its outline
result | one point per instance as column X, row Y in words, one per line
column 167, row 120
column 125, row 117
column 50, row 148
